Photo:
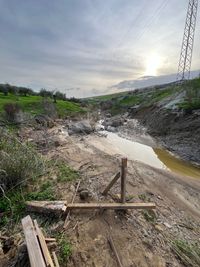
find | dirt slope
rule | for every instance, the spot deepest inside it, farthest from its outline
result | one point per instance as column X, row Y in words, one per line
column 178, row 132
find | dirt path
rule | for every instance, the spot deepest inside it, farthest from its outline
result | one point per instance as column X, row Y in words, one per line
column 142, row 239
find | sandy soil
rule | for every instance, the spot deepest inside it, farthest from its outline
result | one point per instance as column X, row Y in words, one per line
column 139, row 241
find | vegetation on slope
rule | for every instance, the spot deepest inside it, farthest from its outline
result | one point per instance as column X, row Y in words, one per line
column 121, row 102
column 37, row 105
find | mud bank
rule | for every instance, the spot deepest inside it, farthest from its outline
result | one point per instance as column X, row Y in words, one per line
column 177, row 132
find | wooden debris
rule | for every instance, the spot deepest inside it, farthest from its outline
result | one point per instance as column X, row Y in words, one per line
column 49, row 239
column 68, row 214
column 57, row 207
column 39, row 204
column 114, row 180
column 34, row 252
column 111, row 206
column 112, row 245
column 43, row 245
column 55, row 259
column 123, row 179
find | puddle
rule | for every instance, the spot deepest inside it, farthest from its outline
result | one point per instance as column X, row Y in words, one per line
column 154, row 157
column 176, row 165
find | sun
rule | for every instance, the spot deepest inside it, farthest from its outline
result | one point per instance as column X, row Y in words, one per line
column 152, row 64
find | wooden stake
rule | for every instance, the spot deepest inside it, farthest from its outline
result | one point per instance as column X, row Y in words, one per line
column 114, row 180
column 123, row 179
column 68, row 214
column 112, row 245
column 55, row 259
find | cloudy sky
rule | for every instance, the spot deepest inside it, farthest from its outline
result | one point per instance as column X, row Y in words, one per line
column 84, row 47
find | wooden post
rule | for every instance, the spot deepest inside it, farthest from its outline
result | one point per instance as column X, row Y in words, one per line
column 123, row 179
column 114, row 180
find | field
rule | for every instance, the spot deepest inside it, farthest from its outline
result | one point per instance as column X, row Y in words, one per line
column 35, row 104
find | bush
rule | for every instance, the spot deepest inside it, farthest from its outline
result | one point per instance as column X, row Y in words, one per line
column 18, row 161
column 11, row 110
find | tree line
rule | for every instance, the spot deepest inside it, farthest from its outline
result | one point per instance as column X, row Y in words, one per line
column 25, row 91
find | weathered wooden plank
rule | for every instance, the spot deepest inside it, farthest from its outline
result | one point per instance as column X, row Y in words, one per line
column 112, row 245
column 123, row 179
column 50, row 239
column 55, row 259
column 43, row 245
column 57, row 207
column 110, row 185
column 111, row 206
column 34, row 252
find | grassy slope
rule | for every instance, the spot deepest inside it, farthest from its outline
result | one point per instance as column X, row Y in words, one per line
column 149, row 96
column 34, row 105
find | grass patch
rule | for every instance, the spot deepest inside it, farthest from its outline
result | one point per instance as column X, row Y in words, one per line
column 12, row 205
column 144, row 197
column 65, row 248
column 46, row 192
column 18, row 161
column 65, row 173
column 34, row 105
column 149, row 216
column 188, row 253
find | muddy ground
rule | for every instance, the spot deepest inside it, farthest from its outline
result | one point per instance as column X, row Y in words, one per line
column 142, row 239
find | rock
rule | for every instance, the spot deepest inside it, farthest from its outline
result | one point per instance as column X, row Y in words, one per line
column 84, row 194
column 44, row 120
column 81, row 127
column 114, row 121
column 111, row 129
column 159, row 227
column 167, row 225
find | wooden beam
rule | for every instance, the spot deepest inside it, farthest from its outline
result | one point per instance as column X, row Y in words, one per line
column 57, row 207
column 71, row 206
column 43, row 245
column 55, row 259
column 112, row 245
column 34, row 252
column 113, row 206
column 123, row 180
column 114, row 180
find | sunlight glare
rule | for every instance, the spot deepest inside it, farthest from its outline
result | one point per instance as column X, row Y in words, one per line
column 152, row 64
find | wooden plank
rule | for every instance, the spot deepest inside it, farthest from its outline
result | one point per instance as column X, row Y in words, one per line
column 57, row 207
column 114, row 180
column 112, row 245
column 55, row 259
column 111, row 206
column 123, row 180
column 34, row 252
column 73, row 199
column 49, row 239
column 43, row 245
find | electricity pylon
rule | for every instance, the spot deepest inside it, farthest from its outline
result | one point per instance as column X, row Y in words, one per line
column 188, row 42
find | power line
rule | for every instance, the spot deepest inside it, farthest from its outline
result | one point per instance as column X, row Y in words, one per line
column 188, row 42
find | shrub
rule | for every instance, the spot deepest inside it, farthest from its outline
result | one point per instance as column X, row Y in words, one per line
column 18, row 161
column 11, row 110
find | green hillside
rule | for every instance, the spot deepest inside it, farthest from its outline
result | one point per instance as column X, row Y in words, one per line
column 36, row 104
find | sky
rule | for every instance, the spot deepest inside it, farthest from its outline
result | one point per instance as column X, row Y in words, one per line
column 91, row 47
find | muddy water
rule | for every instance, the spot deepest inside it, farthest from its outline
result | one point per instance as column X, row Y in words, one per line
column 154, row 157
